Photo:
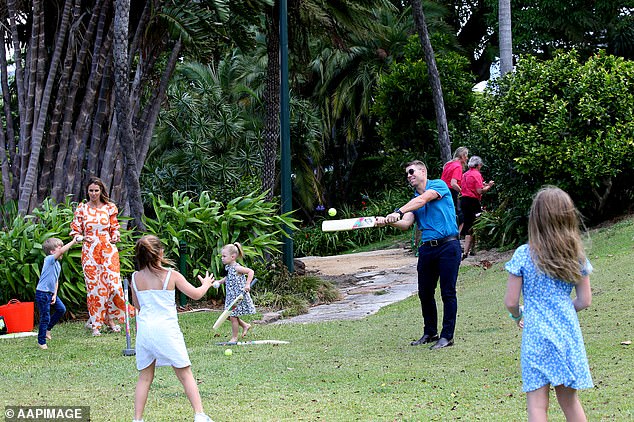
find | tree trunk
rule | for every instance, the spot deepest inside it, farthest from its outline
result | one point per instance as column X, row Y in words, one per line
column 64, row 159
column 53, row 145
column 444, row 142
column 79, row 138
column 30, row 179
column 271, row 133
column 122, row 110
column 506, row 39
column 9, row 171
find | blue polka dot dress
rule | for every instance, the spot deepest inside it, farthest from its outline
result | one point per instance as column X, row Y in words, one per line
column 552, row 344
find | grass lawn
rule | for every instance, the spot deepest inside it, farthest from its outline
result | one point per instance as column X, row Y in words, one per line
column 350, row 370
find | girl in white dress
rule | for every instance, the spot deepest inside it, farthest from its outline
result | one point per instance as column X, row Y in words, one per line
column 159, row 340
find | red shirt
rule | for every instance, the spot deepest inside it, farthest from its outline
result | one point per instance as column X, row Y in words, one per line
column 471, row 182
column 452, row 170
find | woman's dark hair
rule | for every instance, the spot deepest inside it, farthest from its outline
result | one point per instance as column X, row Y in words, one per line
column 97, row 181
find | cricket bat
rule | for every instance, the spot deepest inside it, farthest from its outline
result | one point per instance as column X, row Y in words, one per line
column 250, row 342
column 232, row 306
column 348, row 224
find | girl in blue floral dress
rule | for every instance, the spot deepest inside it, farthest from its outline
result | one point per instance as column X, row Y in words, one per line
column 544, row 272
column 237, row 281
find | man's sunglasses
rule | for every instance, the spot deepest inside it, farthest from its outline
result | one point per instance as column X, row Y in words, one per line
column 411, row 171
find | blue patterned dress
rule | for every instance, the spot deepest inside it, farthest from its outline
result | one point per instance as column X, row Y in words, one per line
column 234, row 284
column 552, row 344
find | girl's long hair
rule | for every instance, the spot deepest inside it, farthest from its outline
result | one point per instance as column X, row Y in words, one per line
column 554, row 235
column 148, row 253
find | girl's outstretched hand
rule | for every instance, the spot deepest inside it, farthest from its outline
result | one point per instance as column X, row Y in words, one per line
column 207, row 280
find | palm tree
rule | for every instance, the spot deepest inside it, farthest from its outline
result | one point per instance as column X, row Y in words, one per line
column 346, row 77
column 122, row 108
column 444, row 142
column 207, row 139
column 506, row 38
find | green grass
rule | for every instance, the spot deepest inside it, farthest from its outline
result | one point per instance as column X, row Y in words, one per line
column 350, row 370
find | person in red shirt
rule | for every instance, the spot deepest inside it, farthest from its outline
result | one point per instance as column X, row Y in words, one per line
column 452, row 176
column 473, row 186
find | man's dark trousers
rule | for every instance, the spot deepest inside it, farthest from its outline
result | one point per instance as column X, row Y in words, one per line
column 439, row 263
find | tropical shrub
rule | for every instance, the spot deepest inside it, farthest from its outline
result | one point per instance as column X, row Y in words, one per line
column 206, row 225
column 209, row 138
column 561, row 122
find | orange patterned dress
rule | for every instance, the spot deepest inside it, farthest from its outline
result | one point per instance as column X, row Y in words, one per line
column 100, row 261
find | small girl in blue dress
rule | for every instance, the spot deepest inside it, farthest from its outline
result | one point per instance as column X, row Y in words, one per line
column 544, row 272
column 237, row 281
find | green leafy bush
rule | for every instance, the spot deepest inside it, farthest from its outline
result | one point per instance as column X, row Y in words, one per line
column 206, row 225
column 560, row 122
column 404, row 103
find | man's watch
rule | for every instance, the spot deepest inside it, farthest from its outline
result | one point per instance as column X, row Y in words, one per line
column 399, row 212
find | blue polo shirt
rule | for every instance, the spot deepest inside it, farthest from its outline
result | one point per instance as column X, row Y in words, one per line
column 50, row 274
column 437, row 219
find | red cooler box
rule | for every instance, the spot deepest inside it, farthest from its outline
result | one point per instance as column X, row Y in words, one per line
column 18, row 316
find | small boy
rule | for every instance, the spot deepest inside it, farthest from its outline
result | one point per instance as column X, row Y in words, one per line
column 46, row 290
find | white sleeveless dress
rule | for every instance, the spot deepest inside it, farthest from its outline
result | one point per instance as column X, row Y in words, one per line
column 158, row 334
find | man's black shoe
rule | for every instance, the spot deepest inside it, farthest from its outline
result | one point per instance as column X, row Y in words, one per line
column 443, row 342
column 424, row 340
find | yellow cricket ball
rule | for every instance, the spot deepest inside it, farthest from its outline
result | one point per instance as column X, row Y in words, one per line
column 228, row 352
column 332, row 212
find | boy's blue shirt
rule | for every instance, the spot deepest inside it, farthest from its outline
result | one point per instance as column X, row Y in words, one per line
column 50, row 273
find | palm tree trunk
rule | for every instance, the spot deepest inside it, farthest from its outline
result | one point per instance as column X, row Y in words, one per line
column 64, row 159
column 271, row 133
column 98, row 156
column 30, row 179
column 101, row 50
column 122, row 110
column 9, row 165
column 444, row 142
column 506, row 39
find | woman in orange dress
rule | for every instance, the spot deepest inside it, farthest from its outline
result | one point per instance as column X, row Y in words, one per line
column 96, row 220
